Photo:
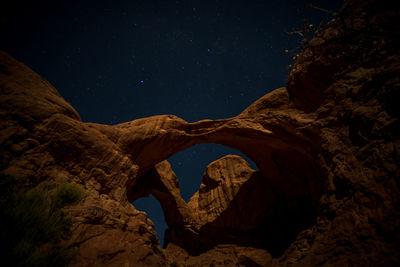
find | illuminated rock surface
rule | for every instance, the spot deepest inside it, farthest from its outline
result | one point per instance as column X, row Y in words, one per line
column 327, row 148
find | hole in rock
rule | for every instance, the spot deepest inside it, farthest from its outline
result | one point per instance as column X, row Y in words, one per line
column 233, row 204
column 152, row 207
column 189, row 165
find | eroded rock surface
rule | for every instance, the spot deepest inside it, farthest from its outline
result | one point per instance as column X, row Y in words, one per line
column 327, row 148
column 221, row 182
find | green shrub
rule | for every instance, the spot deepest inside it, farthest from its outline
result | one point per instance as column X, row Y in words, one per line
column 32, row 223
column 68, row 193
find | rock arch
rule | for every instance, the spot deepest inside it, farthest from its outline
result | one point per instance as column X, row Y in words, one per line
column 283, row 148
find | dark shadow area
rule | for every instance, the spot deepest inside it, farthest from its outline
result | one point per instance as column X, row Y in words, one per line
column 259, row 217
column 152, row 207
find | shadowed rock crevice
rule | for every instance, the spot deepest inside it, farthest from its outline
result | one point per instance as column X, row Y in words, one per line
column 259, row 217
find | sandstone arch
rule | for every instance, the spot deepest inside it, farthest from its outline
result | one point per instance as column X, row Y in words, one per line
column 283, row 148
column 284, row 155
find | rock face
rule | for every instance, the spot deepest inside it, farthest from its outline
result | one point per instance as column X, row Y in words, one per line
column 221, row 182
column 327, row 148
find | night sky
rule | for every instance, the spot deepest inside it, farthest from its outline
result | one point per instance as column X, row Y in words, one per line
column 117, row 61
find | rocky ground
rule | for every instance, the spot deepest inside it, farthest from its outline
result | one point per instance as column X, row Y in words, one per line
column 327, row 148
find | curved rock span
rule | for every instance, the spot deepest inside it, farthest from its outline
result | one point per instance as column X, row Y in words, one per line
column 327, row 149
column 283, row 145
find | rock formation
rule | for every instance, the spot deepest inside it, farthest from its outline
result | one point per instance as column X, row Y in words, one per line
column 327, row 148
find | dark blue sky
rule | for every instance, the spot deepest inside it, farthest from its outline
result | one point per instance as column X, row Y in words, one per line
column 116, row 61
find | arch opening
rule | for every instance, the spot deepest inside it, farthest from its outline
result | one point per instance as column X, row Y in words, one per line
column 153, row 209
column 189, row 164
column 256, row 214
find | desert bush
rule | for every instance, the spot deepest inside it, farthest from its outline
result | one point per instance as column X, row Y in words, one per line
column 32, row 223
column 68, row 193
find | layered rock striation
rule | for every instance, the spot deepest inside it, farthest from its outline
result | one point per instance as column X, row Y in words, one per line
column 327, row 148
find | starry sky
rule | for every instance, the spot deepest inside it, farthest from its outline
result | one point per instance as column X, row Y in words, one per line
column 117, row 61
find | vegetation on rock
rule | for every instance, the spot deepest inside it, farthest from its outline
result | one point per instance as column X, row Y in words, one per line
column 67, row 193
column 33, row 224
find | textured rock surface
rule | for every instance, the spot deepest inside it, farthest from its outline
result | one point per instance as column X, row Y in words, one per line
column 327, row 149
column 221, row 182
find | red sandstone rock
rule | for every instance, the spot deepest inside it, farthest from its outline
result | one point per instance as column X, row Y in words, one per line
column 327, row 149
